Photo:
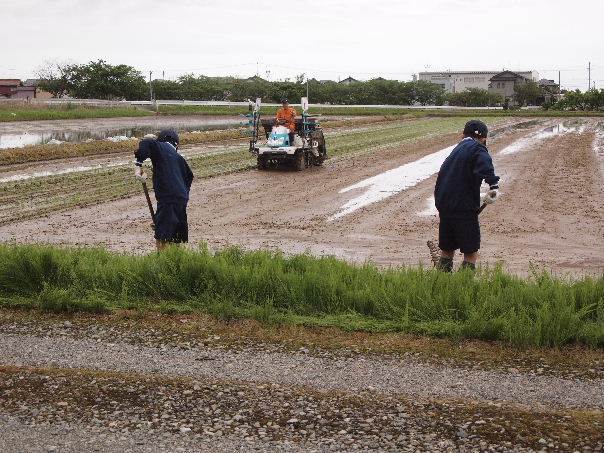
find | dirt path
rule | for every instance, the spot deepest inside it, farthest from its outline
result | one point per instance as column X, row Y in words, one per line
column 144, row 393
column 551, row 213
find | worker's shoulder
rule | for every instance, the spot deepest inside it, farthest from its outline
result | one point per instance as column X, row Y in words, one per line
column 147, row 141
column 472, row 145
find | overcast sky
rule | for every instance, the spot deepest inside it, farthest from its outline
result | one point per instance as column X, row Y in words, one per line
column 326, row 39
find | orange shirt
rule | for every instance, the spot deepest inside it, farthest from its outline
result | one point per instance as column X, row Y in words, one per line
column 288, row 116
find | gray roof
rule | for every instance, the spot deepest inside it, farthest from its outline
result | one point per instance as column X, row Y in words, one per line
column 548, row 82
column 507, row 75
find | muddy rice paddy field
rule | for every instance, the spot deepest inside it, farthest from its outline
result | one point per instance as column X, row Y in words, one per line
column 150, row 382
column 371, row 201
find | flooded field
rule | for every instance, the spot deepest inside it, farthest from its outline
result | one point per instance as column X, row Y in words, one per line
column 15, row 135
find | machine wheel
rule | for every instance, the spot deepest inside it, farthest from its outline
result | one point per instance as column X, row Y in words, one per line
column 319, row 137
column 318, row 161
column 299, row 161
column 261, row 163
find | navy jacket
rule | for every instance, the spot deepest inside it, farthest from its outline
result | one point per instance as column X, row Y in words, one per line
column 172, row 176
column 457, row 191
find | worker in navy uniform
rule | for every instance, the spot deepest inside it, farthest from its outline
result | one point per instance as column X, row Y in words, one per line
column 457, row 196
column 172, row 180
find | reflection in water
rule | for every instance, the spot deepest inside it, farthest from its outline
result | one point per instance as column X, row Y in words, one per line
column 63, row 171
column 393, row 181
column 548, row 132
column 57, row 137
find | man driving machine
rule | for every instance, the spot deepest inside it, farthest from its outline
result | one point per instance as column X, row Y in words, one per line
column 286, row 116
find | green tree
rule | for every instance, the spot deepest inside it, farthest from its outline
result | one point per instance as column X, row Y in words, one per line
column 100, row 80
column 474, row 97
column 55, row 77
column 527, row 93
column 576, row 100
column 427, row 93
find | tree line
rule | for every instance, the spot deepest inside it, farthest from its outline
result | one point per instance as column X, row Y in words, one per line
column 101, row 80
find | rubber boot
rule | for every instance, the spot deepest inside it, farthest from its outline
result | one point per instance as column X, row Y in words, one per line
column 467, row 265
column 445, row 264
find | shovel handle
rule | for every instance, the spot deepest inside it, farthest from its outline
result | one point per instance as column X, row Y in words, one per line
column 146, row 190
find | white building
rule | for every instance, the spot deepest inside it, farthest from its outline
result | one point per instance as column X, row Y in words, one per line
column 454, row 82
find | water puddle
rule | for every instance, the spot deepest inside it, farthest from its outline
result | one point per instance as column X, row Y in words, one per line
column 430, row 208
column 118, row 163
column 63, row 171
column 598, row 146
column 13, row 140
column 548, row 132
column 393, row 181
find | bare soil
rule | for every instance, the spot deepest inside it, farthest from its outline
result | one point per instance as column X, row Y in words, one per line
column 551, row 213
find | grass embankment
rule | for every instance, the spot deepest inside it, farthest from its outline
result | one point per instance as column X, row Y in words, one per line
column 33, row 112
column 377, row 111
column 40, row 196
column 267, row 286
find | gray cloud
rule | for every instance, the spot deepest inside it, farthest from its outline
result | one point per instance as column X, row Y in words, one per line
column 324, row 38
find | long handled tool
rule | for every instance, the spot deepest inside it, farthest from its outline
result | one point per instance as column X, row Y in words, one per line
column 146, row 190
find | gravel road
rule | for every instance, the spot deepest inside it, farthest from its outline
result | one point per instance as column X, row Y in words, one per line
column 389, row 375
column 67, row 387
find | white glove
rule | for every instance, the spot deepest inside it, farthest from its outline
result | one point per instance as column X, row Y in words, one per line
column 491, row 196
column 138, row 173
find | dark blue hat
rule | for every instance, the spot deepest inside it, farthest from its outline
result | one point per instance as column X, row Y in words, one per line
column 474, row 128
column 168, row 135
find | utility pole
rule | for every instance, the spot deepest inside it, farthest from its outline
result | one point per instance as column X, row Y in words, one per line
column 306, row 87
column 589, row 76
column 257, row 69
column 163, row 75
column 150, row 87
column 559, row 86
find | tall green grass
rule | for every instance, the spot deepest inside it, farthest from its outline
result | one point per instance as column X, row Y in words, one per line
column 491, row 305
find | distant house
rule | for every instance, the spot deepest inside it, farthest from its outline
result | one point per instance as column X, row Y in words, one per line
column 504, row 84
column 456, row 82
column 348, row 80
column 550, row 90
column 255, row 79
column 40, row 94
column 15, row 89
